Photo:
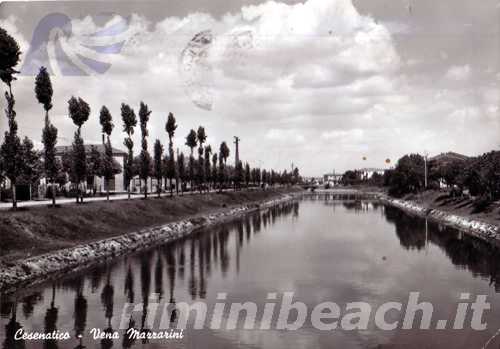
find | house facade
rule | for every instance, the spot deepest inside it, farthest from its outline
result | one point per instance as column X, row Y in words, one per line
column 332, row 179
column 367, row 173
column 97, row 183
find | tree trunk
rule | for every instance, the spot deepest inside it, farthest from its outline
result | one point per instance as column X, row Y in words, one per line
column 82, row 193
column 14, row 199
column 171, row 189
column 158, row 187
column 107, row 189
column 53, row 195
column 146, row 188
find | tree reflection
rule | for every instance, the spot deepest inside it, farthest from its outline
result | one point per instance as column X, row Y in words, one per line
column 201, row 268
column 171, row 269
column 159, row 277
column 96, row 277
column 51, row 321
column 81, row 307
column 129, row 340
column 29, row 303
column 10, row 331
column 182, row 260
column 193, row 283
column 145, row 288
column 129, row 285
column 224, row 255
column 107, row 302
column 248, row 228
column 479, row 257
column 410, row 230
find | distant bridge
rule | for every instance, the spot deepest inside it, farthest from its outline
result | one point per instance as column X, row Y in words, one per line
column 342, row 194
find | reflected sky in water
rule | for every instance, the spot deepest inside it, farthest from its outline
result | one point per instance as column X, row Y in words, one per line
column 319, row 249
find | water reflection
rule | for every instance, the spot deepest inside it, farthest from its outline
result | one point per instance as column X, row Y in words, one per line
column 51, row 321
column 190, row 269
column 464, row 251
column 107, row 295
column 10, row 330
column 81, row 307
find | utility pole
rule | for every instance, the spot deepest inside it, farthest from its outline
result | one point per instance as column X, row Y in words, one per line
column 237, row 154
column 426, row 154
column 177, row 175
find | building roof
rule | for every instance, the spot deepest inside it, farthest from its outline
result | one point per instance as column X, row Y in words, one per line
column 62, row 149
column 372, row 169
column 332, row 175
column 449, row 156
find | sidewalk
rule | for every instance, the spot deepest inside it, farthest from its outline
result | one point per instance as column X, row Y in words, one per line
column 65, row 201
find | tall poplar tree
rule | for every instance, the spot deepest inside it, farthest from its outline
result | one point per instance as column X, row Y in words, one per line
column 79, row 112
column 108, row 168
column 11, row 149
column 170, row 127
column 202, row 137
column 145, row 158
column 191, row 143
column 129, row 122
column 44, row 92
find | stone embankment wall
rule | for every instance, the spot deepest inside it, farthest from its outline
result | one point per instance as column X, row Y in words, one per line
column 482, row 230
column 38, row 269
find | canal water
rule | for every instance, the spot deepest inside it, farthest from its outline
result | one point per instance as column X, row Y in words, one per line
column 319, row 250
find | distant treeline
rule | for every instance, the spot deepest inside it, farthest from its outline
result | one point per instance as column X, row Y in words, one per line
column 477, row 177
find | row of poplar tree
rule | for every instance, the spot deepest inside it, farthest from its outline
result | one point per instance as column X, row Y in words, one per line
column 19, row 159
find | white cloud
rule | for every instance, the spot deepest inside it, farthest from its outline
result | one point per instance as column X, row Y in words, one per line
column 354, row 134
column 459, row 73
column 288, row 79
column 285, row 136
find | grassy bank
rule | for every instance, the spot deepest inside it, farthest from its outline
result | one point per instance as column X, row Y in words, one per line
column 39, row 230
column 460, row 206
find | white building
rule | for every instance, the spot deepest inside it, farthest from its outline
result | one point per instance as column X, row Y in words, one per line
column 367, row 173
column 117, row 184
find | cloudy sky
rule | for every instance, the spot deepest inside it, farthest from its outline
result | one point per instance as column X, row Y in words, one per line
column 321, row 83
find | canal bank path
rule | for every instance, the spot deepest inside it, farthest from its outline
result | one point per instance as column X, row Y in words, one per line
column 123, row 196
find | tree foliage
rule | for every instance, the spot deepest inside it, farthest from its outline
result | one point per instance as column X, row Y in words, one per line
column 129, row 122
column 171, row 126
column 10, row 151
column 43, row 89
column 9, row 56
column 191, row 140
column 32, row 168
column 106, row 121
column 408, row 175
column 79, row 111
column 145, row 168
